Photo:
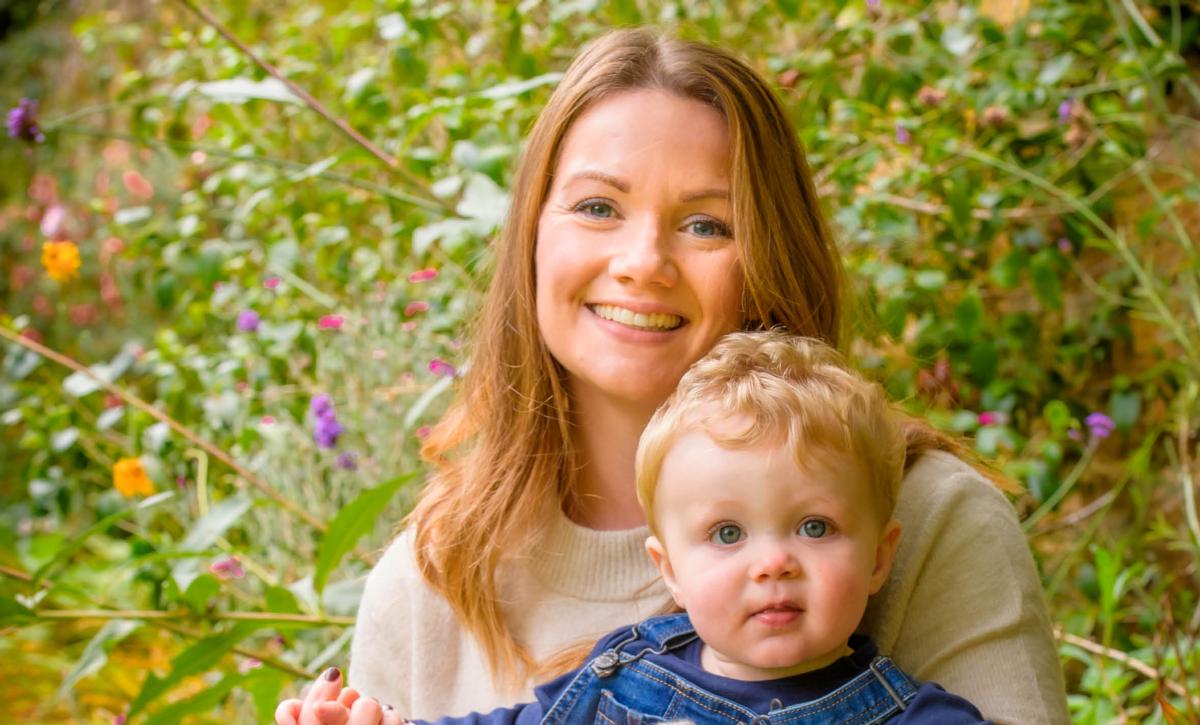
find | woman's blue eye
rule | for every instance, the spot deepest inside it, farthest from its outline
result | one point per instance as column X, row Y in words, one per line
column 814, row 528
column 727, row 534
column 709, row 228
column 596, row 209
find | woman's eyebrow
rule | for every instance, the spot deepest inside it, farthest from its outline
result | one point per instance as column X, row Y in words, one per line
column 704, row 194
column 618, row 184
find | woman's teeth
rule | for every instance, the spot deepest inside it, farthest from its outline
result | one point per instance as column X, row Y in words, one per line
column 629, row 318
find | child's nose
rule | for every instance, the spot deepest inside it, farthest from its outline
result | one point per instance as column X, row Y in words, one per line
column 775, row 561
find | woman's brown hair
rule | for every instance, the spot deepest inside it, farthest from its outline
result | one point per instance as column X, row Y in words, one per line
column 502, row 454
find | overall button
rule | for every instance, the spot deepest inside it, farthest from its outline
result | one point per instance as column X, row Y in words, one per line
column 606, row 664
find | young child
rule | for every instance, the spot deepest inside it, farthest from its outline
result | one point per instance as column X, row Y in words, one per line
column 768, row 479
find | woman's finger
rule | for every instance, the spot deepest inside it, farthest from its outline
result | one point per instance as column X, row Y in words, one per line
column 366, row 711
column 391, row 716
column 328, row 713
column 348, row 697
column 327, row 687
column 288, row 712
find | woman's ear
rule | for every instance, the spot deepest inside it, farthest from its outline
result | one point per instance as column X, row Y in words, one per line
column 885, row 554
column 658, row 554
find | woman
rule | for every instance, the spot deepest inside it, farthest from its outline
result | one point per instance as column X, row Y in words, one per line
column 662, row 201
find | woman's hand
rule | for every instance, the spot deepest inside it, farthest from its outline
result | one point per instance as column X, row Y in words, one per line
column 328, row 703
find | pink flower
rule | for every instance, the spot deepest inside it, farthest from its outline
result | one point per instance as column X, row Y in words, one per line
column 408, row 326
column 138, row 185
column 414, row 307
column 438, row 366
column 227, row 568
column 986, row 418
column 271, row 282
column 267, row 420
column 331, row 322
column 423, row 275
column 249, row 663
column 423, row 432
column 378, row 354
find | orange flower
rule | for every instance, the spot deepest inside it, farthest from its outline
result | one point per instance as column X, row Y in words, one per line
column 129, row 477
column 61, row 260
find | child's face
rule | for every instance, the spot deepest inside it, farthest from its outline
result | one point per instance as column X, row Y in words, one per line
column 772, row 562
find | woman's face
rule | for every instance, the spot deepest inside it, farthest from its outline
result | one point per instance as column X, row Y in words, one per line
column 637, row 271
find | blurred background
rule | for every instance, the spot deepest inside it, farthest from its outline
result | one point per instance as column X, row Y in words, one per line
column 228, row 312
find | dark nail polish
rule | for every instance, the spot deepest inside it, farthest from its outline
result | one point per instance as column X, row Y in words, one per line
column 387, row 707
column 332, row 674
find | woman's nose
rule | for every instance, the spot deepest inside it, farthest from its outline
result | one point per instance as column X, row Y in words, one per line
column 643, row 258
column 774, row 561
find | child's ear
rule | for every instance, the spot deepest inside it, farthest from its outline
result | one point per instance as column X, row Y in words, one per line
column 658, row 554
column 885, row 554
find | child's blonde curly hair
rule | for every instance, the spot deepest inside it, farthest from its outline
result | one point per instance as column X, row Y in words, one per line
column 791, row 391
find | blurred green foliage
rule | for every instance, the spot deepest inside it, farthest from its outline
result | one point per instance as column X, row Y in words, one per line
column 1014, row 185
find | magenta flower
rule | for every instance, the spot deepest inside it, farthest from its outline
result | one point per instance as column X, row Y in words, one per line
column 22, row 122
column 438, row 366
column 1099, row 425
column 415, row 307
column 903, row 135
column 423, row 275
column 423, row 432
column 271, row 282
column 989, row 417
column 248, row 321
column 331, row 322
column 227, row 568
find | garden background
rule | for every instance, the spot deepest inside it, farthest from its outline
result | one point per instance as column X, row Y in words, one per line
column 228, row 308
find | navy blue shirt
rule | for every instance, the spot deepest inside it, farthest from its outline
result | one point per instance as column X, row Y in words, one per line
column 930, row 704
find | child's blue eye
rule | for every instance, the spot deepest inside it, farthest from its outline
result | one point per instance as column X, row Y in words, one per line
column 814, row 528
column 727, row 534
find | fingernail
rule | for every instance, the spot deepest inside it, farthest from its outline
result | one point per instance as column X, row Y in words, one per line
column 332, row 674
column 388, row 707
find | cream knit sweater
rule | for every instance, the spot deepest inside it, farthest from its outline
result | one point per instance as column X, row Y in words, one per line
column 963, row 607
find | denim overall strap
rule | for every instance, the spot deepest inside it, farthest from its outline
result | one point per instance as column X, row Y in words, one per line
column 667, row 631
column 875, row 695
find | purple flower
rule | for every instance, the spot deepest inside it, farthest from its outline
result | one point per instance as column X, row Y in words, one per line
column 903, row 135
column 326, row 428
column 22, row 122
column 1099, row 425
column 873, row 4
column 347, row 461
column 326, row 431
column 1064, row 245
column 247, row 321
column 321, row 405
column 1064, row 110
column 438, row 366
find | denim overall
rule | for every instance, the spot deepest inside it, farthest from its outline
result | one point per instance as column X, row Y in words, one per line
column 623, row 686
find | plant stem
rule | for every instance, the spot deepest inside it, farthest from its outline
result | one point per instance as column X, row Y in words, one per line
column 1064, row 488
column 184, row 614
column 303, row 95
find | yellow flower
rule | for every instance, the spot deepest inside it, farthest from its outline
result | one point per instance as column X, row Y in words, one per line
column 129, row 477
column 61, row 260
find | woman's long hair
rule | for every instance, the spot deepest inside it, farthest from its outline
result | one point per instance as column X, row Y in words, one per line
column 502, row 455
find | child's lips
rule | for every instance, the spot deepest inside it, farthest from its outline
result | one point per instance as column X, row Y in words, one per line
column 778, row 615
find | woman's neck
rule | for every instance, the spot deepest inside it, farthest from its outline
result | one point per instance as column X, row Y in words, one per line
column 606, row 435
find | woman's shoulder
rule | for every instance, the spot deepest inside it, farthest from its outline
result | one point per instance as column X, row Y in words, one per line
column 940, row 479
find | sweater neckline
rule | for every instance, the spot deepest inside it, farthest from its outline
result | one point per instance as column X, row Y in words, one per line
column 596, row 565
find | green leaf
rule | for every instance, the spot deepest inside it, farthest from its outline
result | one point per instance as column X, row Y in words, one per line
column 1046, row 283
column 200, row 591
column 264, row 685
column 1125, row 407
column 353, row 522
column 77, row 542
column 200, row 657
column 13, row 612
column 968, row 315
column 1006, row 272
column 1058, row 415
column 1054, row 70
column 96, row 653
column 215, row 523
column 281, row 601
column 205, row 700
